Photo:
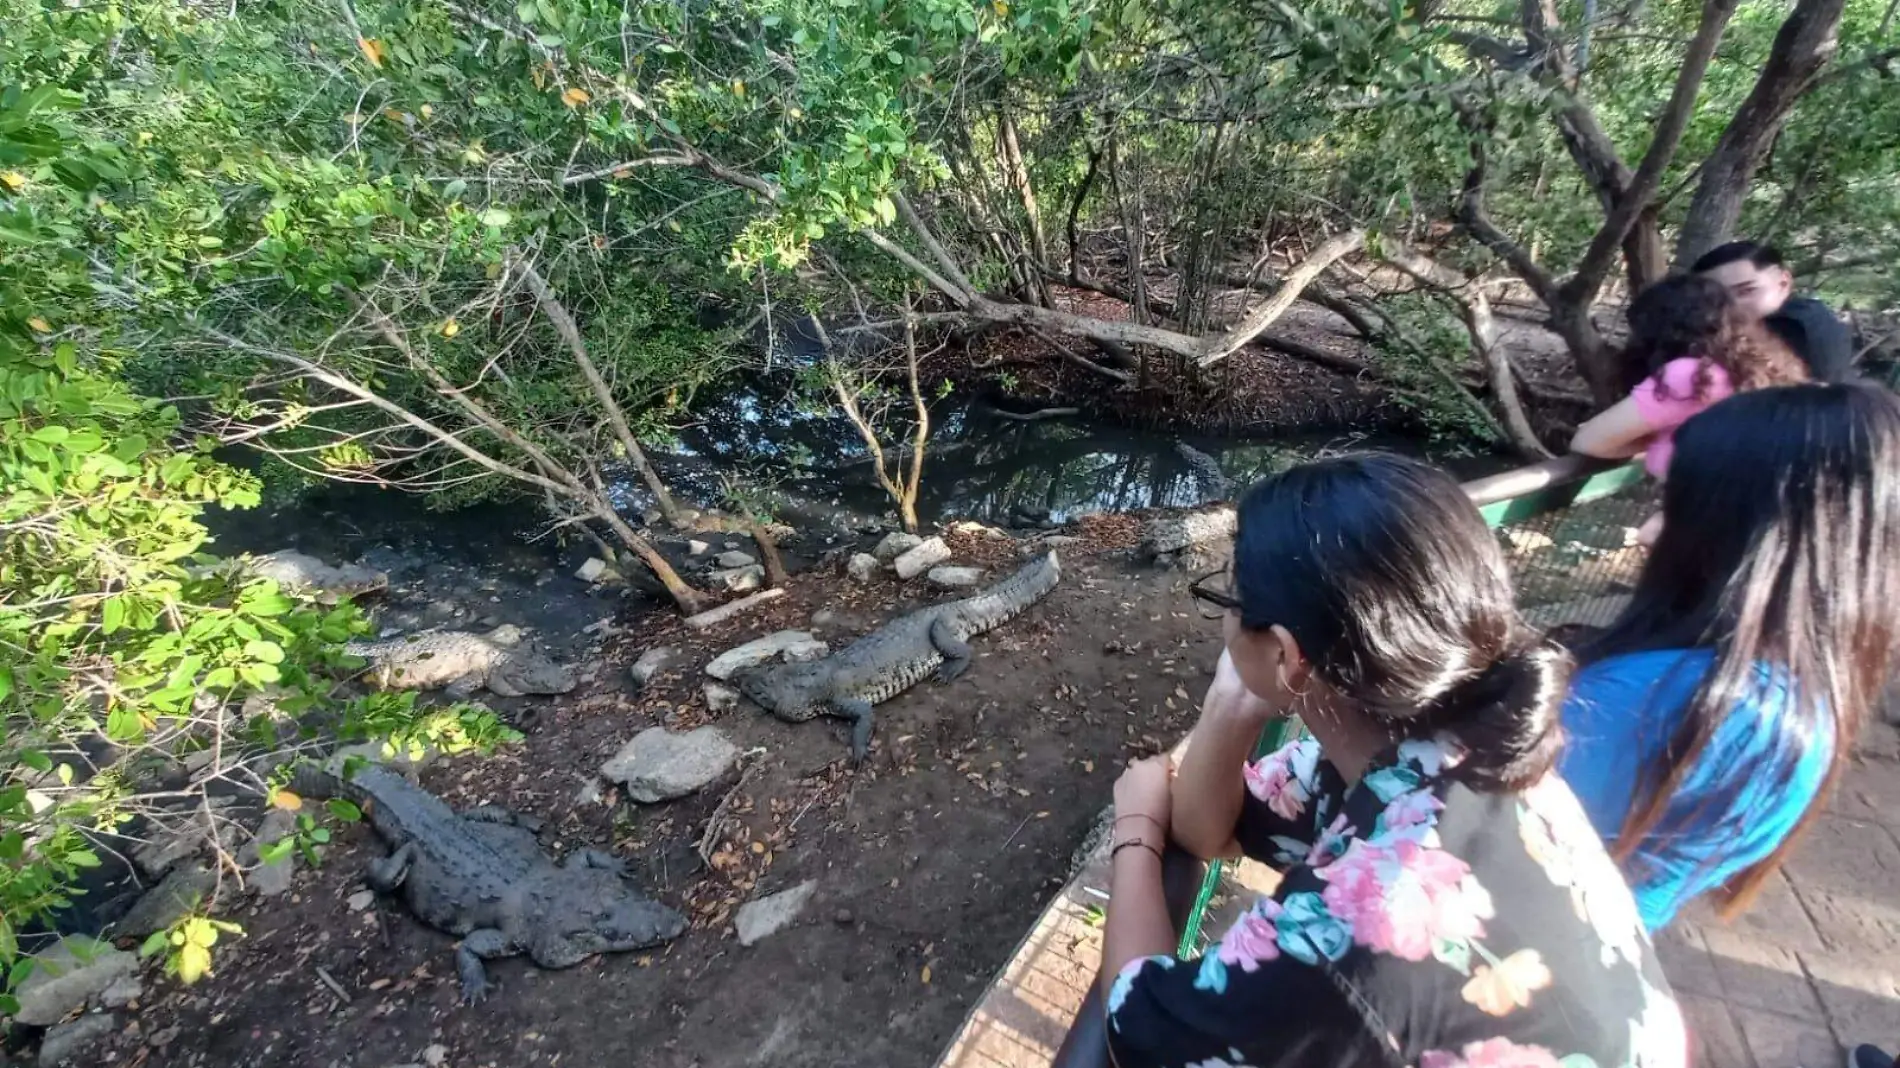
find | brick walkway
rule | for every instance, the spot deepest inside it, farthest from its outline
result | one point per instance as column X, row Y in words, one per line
column 1811, row 970
column 1814, row 967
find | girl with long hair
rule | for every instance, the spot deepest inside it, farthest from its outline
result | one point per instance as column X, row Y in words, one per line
column 1444, row 901
column 1708, row 721
column 1690, row 346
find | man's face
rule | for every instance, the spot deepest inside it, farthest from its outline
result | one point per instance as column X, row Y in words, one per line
column 1759, row 291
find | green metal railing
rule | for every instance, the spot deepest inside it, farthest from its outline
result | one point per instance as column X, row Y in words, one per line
column 1568, row 528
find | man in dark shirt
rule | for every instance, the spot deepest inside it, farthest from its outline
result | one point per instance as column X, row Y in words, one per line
column 1760, row 282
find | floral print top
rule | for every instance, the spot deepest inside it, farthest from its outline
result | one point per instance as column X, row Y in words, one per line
column 1418, row 923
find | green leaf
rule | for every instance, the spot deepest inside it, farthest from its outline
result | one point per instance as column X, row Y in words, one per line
column 278, row 851
column 52, row 435
column 154, row 942
column 6, row 681
column 344, row 810
column 112, row 615
column 496, row 217
column 122, row 725
column 264, row 652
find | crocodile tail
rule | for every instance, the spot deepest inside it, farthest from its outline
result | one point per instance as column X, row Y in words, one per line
column 1008, row 598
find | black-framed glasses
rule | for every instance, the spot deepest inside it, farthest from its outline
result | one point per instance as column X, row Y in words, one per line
column 1212, row 592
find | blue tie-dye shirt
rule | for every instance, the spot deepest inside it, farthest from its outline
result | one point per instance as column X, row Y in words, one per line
column 1745, row 795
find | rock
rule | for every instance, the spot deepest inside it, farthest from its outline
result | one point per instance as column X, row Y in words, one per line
column 590, row 792
column 652, row 662
column 1056, row 541
column 435, row 1055
column 955, row 578
column 68, row 975
column 921, row 558
column 1186, row 530
column 121, row 993
column 697, row 548
column 894, row 545
column 592, row 569
column 863, row 567
column 769, row 915
column 71, row 1043
column 735, row 558
column 720, row 698
column 659, row 765
column 269, row 880
column 843, row 918
column 164, row 851
column 738, row 579
column 361, row 900
column 756, row 652
column 187, row 887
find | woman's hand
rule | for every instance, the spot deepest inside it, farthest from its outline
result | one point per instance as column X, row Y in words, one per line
column 1228, row 696
column 1143, row 801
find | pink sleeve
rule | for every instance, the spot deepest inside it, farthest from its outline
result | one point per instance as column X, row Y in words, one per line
column 1679, row 380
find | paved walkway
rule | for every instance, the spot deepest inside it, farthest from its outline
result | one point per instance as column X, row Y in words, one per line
column 1812, row 969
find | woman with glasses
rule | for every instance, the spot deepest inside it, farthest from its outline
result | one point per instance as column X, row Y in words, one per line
column 1444, row 901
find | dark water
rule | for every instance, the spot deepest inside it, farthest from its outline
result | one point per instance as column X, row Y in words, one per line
column 808, row 465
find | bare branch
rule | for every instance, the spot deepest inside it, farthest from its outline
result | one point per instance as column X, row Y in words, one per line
column 570, row 333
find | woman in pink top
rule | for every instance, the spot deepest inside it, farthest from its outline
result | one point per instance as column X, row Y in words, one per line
column 1690, row 346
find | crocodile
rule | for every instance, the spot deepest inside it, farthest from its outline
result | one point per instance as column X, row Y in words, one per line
column 481, row 875
column 464, row 662
column 303, row 573
column 896, row 656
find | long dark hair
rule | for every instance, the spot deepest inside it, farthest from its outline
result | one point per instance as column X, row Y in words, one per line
column 1694, row 317
column 1780, row 547
column 1385, row 574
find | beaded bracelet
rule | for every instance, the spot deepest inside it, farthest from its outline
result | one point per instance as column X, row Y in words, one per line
column 1134, row 842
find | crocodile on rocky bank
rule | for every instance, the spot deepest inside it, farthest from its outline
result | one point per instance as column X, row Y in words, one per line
column 896, row 656
column 502, row 660
column 482, row 875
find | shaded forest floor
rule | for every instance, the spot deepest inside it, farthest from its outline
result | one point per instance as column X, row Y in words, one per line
column 1260, row 389
column 930, row 859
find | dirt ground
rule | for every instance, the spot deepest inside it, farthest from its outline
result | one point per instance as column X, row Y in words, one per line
column 931, row 859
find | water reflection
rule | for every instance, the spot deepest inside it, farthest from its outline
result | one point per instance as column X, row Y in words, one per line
column 979, row 464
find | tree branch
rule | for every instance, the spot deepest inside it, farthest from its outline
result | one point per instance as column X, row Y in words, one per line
column 570, row 333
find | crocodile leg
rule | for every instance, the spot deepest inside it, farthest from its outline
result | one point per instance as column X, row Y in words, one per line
column 464, row 688
column 499, row 684
column 385, row 875
column 858, row 711
column 503, row 815
column 486, row 943
column 956, row 652
column 594, row 858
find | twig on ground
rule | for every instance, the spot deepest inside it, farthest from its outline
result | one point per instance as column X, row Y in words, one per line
column 335, row 987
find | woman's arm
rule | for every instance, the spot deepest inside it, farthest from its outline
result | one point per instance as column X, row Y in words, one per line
column 1617, row 433
column 1137, row 925
column 1209, row 788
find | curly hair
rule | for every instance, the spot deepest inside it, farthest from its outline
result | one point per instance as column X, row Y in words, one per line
column 1692, row 316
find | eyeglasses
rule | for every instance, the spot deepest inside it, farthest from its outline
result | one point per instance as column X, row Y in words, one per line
column 1213, row 601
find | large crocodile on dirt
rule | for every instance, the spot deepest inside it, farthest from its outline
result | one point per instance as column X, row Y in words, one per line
column 482, row 875
column 896, row 656
column 502, row 660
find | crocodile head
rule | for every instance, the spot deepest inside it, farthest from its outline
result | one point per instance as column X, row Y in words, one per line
column 620, row 919
column 530, row 672
column 786, row 689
